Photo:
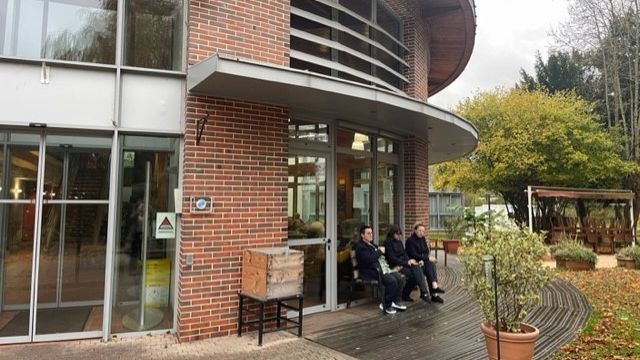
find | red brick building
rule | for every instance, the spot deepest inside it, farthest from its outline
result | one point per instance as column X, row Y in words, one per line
column 145, row 145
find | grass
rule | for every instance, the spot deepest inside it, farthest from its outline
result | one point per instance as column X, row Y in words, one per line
column 613, row 329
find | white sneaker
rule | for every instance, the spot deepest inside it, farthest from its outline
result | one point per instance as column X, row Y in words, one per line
column 399, row 307
column 390, row 310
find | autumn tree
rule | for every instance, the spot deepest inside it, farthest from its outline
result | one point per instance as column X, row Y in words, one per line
column 533, row 138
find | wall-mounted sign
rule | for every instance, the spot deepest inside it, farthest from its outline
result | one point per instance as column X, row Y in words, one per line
column 165, row 225
column 201, row 204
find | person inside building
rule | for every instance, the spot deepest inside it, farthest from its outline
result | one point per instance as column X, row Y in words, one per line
column 399, row 260
column 371, row 262
column 418, row 249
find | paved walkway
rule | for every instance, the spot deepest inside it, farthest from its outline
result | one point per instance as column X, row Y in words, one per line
column 280, row 345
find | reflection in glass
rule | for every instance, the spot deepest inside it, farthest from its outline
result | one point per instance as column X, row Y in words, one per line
column 161, row 156
column 75, row 31
column 153, row 34
column 387, row 205
column 314, row 274
column 306, row 197
column 303, row 130
column 353, row 211
column 18, row 166
column 353, row 140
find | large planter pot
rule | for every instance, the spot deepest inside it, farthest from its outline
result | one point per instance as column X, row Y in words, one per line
column 627, row 263
column 574, row 265
column 513, row 346
column 451, row 246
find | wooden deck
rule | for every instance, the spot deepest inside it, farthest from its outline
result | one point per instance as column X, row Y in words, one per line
column 443, row 331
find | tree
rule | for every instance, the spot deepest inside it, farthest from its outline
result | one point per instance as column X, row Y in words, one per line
column 533, row 138
column 607, row 33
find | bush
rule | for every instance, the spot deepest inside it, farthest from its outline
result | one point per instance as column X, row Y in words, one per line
column 631, row 252
column 520, row 274
column 570, row 249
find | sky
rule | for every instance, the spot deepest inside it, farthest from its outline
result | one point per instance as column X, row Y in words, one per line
column 508, row 34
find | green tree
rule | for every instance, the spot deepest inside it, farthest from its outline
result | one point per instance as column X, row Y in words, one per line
column 533, row 138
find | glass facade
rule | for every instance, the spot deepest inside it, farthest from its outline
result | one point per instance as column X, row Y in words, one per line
column 356, row 40
column 442, row 206
column 54, row 203
column 85, row 31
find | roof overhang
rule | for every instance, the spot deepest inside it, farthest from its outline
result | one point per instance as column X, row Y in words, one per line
column 452, row 30
column 579, row 193
column 449, row 136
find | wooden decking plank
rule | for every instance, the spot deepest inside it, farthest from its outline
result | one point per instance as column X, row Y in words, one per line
column 450, row 330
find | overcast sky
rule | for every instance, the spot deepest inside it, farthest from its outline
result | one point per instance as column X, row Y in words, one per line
column 508, row 34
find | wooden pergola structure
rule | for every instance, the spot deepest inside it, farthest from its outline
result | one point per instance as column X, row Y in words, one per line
column 627, row 196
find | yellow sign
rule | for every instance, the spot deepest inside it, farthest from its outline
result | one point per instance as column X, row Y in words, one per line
column 157, row 282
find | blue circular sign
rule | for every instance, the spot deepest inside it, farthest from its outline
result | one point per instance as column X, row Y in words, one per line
column 201, row 204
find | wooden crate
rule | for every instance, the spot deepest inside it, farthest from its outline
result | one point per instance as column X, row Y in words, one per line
column 269, row 273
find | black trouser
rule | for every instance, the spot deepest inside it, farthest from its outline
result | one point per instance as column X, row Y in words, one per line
column 414, row 276
column 429, row 269
column 393, row 285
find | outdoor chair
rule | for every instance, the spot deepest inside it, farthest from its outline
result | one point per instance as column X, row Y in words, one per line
column 592, row 233
column 607, row 238
column 557, row 229
column 356, row 281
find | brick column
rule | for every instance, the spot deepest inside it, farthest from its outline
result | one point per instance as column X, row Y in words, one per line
column 241, row 162
column 416, row 183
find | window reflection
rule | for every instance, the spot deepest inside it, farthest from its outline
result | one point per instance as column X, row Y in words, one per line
column 306, row 197
column 64, row 30
column 387, row 205
column 153, row 34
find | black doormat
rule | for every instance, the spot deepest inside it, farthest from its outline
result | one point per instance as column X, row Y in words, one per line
column 49, row 321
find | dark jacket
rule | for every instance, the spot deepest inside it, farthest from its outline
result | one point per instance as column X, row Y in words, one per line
column 367, row 256
column 395, row 253
column 417, row 248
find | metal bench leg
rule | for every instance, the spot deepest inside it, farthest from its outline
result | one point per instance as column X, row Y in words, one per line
column 300, row 317
column 260, row 323
column 240, row 315
column 278, row 314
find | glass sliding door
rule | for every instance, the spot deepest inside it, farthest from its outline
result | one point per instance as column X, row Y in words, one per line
column 73, row 236
column 19, row 158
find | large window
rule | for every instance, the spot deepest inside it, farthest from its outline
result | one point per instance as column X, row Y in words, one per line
column 357, row 40
column 85, row 31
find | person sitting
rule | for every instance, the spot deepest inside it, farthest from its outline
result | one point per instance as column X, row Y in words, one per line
column 370, row 264
column 418, row 249
column 397, row 258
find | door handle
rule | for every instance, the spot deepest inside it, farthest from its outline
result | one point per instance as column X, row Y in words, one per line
column 328, row 242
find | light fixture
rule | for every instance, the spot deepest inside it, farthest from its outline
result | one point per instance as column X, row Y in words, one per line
column 358, row 141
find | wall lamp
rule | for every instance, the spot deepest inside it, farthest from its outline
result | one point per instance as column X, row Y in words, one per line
column 200, row 127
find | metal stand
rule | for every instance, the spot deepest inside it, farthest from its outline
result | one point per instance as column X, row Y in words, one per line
column 142, row 318
column 278, row 317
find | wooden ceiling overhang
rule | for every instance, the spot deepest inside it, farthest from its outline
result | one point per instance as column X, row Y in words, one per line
column 452, row 28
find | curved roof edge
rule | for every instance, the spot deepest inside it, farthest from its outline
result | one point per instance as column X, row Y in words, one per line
column 306, row 93
column 447, row 18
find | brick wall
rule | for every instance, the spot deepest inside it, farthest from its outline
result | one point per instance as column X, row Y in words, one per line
column 251, row 29
column 416, row 183
column 241, row 162
column 416, row 39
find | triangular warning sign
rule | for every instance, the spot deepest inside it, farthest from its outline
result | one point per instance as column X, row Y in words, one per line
column 165, row 224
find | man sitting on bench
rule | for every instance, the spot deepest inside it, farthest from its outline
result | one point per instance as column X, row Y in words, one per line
column 397, row 258
column 368, row 254
column 418, row 249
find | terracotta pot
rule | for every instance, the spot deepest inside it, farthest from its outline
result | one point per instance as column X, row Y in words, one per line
column 451, row 246
column 627, row 263
column 513, row 346
column 574, row 265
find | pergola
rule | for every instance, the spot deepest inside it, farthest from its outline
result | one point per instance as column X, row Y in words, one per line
column 578, row 194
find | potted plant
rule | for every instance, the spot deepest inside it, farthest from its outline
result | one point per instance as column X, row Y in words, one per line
column 520, row 276
column 454, row 228
column 570, row 254
column 629, row 257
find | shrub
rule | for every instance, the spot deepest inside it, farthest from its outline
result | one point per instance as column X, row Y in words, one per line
column 571, row 249
column 631, row 252
column 520, row 274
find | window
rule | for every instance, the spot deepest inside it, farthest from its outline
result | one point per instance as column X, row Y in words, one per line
column 153, row 34
column 72, row 30
column 303, row 130
column 85, row 31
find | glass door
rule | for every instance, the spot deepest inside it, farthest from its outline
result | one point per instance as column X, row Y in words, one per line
column 73, row 237
column 307, row 224
column 19, row 160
